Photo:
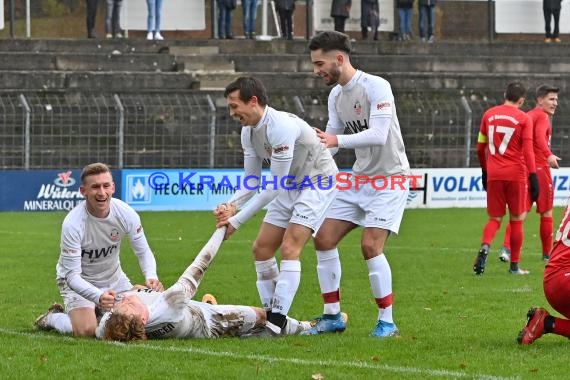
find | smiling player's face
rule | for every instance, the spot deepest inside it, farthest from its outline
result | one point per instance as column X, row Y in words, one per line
column 98, row 190
column 326, row 66
column 244, row 112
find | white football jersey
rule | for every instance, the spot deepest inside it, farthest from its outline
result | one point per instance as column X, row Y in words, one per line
column 90, row 246
column 350, row 109
column 283, row 136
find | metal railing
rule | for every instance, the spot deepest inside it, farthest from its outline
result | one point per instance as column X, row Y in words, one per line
column 193, row 129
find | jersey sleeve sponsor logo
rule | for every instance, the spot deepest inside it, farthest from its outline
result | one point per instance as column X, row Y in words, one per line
column 383, row 105
column 69, row 250
column 139, row 229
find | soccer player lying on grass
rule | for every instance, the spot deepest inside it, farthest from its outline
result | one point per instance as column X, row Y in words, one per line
column 146, row 314
column 556, row 285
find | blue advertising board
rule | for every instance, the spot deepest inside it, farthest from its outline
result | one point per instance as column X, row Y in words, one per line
column 43, row 190
column 179, row 189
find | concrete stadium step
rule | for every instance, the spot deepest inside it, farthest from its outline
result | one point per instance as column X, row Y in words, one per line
column 205, row 63
column 400, row 63
column 399, row 80
column 83, row 45
column 238, row 46
column 96, row 81
column 87, row 61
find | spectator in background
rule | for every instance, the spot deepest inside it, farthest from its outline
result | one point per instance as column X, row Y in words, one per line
column 405, row 12
column 153, row 20
column 113, row 19
column 427, row 20
column 369, row 17
column 249, row 8
column 285, row 9
column 340, row 11
column 225, row 10
column 91, row 15
column 551, row 8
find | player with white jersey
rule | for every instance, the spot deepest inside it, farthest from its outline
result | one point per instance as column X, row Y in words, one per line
column 301, row 188
column 146, row 314
column 362, row 116
column 89, row 273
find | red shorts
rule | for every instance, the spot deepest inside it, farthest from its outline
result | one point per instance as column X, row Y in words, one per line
column 556, row 289
column 545, row 201
column 506, row 193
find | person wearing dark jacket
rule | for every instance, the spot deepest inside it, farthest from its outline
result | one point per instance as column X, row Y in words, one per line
column 225, row 9
column 369, row 17
column 340, row 11
column 91, row 13
column 427, row 16
column 551, row 9
column 285, row 10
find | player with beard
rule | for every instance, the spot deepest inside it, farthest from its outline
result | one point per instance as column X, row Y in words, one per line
column 362, row 116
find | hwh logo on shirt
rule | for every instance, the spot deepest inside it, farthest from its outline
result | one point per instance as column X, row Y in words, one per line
column 94, row 254
column 356, row 126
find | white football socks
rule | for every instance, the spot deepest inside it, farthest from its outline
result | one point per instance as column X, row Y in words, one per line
column 267, row 274
column 329, row 273
column 60, row 322
column 380, row 277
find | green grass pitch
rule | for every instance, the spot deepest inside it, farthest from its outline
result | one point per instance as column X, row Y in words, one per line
column 453, row 324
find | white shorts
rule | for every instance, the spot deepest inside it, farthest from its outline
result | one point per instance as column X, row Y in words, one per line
column 369, row 207
column 72, row 300
column 229, row 320
column 307, row 208
column 203, row 320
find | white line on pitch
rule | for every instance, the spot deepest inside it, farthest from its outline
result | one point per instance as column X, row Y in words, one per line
column 304, row 362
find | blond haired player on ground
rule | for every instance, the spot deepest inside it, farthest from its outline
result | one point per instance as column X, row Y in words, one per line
column 146, row 314
column 362, row 116
column 89, row 273
column 301, row 188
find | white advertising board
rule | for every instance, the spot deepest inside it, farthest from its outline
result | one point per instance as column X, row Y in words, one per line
column 525, row 16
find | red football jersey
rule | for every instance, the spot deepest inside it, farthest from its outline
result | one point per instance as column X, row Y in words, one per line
column 560, row 254
column 507, row 133
column 542, row 132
